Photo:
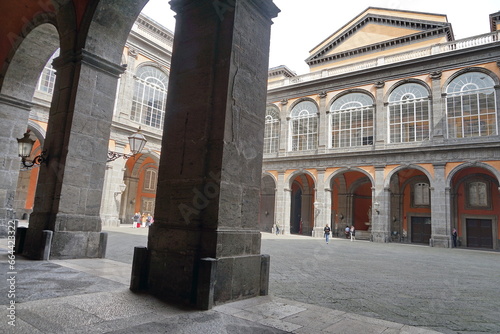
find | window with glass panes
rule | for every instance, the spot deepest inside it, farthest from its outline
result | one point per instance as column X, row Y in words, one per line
column 150, row 179
column 471, row 109
column 351, row 121
column 47, row 78
column 271, row 130
column 409, row 114
column 304, row 126
column 150, row 97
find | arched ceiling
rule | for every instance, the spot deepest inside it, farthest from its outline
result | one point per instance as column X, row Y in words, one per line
column 17, row 17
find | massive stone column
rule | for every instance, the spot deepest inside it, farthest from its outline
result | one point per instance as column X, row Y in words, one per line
column 280, row 201
column 440, row 209
column 204, row 247
column 68, row 195
column 380, row 208
column 14, row 114
column 320, row 205
column 112, row 194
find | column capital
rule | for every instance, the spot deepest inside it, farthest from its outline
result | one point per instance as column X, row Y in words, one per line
column 14, row 102
column 266, row 7
column 91, row 59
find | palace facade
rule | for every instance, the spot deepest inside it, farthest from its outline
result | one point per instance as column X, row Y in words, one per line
column 395, row 131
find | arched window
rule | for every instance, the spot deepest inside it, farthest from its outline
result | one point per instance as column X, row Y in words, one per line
column 150, row 180
column 304, row 126
column 470, row 106
column 409, row 114
column 47, row 78
column 150, row 96
column 351, row 121
column 272, row 130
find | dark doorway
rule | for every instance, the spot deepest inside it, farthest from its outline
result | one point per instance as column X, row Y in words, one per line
column 479, row 233
column 420, row 230
column 296, row 213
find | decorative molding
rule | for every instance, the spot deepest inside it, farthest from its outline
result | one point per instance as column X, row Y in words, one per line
column 14, row 102
column 322, row 94
column 379, row 84
column 284, row 102
column 435, row 75
column 133, row 53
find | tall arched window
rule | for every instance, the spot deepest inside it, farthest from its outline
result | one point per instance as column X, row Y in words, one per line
column 47, row 78
column 409, row 114
column 470, row 106
column 272, row 130
column 304, row 126
column 351, row 121
column 150, row 96
column 150, row 180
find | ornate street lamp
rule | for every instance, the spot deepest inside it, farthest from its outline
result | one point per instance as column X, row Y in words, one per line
column 136, row 142
column 25, row 145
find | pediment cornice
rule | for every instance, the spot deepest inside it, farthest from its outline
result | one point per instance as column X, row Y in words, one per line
column 427, row 28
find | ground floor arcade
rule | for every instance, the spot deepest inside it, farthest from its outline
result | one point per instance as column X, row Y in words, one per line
column 414, row 203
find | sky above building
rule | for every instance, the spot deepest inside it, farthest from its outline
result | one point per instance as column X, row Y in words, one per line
column 302, row 25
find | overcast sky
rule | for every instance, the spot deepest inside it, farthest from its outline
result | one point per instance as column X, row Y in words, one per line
column 302, row 25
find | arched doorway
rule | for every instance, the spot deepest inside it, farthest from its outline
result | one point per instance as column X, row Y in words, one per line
column 140, row 179
column 476, row 207
column 411, row 218
column 302, row 205
column 267, row 203
column 351, row 203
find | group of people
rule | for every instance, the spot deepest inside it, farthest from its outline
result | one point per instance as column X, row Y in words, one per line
column 350, row 232
column 142, row 220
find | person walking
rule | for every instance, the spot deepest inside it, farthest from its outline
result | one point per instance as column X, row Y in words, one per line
column 454, row 235
column 347, row 232
column 327, row 231
column 353, row 233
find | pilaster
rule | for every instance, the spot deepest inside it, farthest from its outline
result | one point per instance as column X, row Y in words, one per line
column 438, row 114
column 440, row 209
column 380, row 208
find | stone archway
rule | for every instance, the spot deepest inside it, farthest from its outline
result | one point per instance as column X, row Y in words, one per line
column 410, row 207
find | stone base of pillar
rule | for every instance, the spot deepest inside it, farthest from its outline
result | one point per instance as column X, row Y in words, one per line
column 318, row 232
column 110, row 221
column 218, row 281
column 381, row 237
column 440, row 241
column 65, row 245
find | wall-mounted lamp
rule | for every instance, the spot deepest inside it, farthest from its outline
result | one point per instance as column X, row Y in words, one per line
column 136, row 142
column 376, row 206
column 24, row 146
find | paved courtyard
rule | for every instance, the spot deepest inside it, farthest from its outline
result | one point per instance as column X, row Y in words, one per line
column 448, row 290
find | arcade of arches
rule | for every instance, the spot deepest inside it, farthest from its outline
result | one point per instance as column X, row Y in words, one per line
column 203, row 138
column 303, row 202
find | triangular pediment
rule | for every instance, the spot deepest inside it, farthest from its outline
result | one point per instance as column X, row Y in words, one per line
column 379, row 28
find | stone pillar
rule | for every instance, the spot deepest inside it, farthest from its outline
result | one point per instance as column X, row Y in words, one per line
column 440, row 229
column 280, row 201
column 14, row 114
column 204, row 247
column 69, row 190
column 112, row 194
column 438, row 121
column 380, row 117
column 380, row 216
column 320, row 205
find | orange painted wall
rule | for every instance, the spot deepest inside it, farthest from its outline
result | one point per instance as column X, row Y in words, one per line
column 461, row 198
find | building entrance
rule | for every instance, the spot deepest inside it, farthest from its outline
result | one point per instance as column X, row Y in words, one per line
column 479, row 233
column 420, row 230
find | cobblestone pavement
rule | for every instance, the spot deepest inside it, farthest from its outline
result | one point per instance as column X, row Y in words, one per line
column 448, row 290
